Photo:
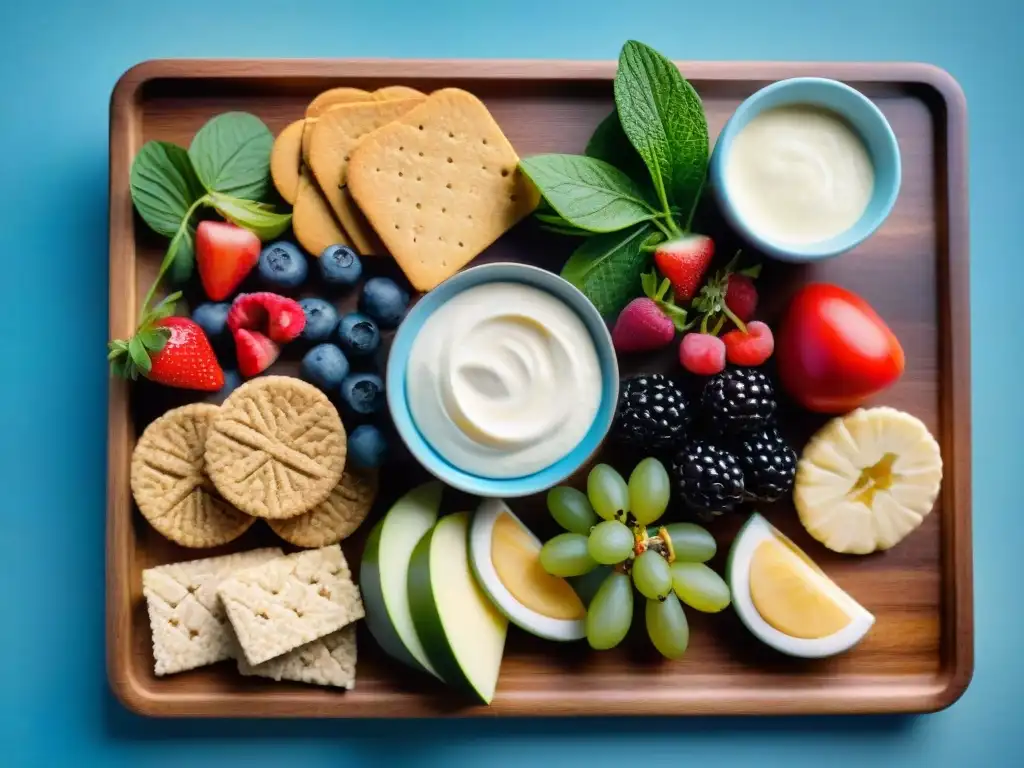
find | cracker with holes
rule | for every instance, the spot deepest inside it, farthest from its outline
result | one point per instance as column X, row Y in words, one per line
column 335, row 135
column 335, row 518
column 313, row 221
column 276, row 448
column 169, row 482
column 290, row 601
column 187, row 619
column 439, row 185
column 331, row 660
column 325, row 102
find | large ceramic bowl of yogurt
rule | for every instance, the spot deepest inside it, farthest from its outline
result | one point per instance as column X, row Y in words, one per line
column 502, row 381
column 806, row 169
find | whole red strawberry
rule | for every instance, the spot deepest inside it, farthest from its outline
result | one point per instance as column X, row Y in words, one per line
column 684, row 261
column 225, row 254
column 650, row 322
column 741, row 296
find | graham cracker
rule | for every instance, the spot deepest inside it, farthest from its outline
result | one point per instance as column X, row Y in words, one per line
column 335, row 518
column 288, row 602
column 324, row 102
column 439, row 185
column 277, row 447
column 285, row 159
column 335, row 135
column 313, row 221
column 331, row 660
column 397, row 92
column 187, row 619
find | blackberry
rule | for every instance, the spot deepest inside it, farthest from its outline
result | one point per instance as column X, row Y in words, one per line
column 738, row 400
column 652, row 413
column 768, row 464
column 707, row 478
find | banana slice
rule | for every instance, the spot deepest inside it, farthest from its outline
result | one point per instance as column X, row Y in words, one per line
column 867, row 479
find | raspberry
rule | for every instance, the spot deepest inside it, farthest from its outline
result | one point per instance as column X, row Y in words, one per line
column 702, row 354
column 750, row 348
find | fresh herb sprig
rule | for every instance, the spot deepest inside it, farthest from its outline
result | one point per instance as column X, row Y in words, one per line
column 638, row 183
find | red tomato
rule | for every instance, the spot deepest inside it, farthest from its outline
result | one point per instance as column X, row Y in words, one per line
column 833, row 350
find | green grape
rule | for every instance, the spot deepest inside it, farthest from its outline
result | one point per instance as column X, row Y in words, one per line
column 586, row 586
column 608, row 492
column 690, row 542
column 667, row 627
column 566, row 555
column 700, row 587
column 652, row 575
column 571, row 509
column 610, row 612
column 648, row 491
column 610, row 542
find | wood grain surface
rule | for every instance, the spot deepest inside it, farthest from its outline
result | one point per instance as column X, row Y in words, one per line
column 919, row 655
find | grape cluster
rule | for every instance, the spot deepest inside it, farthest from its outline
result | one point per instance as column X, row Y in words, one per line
column 609, row 525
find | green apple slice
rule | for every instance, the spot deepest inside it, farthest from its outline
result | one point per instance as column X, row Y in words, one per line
column 384, row 574
column 461, row 630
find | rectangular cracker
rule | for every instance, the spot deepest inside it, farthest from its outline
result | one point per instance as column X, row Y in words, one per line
column 187, row 619
column 335, row 135
column 439, row 185
column 331, row 660
column 290, row 601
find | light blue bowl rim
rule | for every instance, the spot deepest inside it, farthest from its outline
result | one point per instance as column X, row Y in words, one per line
column 882, row 201
column 398, row 361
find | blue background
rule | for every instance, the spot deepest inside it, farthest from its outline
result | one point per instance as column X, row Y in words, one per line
column 59, row 61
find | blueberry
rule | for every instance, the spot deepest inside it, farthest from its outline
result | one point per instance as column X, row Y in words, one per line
column 321, row 319
column 363, row 393
column 384, row 301
column 367, row 447
column 324, row 366
column 282, row 266
column 358, row 334
column 340, row 266
column 213, row 319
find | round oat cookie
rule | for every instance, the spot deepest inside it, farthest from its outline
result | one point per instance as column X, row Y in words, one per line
column 277, row 448
column 169, row 481
column 337, row 517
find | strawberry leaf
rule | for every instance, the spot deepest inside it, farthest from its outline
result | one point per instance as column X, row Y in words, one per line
column 752, row 272
column 649, row 284
column 154, row 339
column 139, row 355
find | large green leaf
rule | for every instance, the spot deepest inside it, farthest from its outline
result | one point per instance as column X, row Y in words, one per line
column 610, row 143
column 163, row 185
column 607, row 267
column 231, row 154
column 258, row 218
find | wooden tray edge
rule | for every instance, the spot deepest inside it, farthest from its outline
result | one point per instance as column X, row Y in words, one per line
column 958, row 631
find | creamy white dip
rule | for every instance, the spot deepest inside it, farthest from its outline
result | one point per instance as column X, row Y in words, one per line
column 799, row 174
column 503, row 380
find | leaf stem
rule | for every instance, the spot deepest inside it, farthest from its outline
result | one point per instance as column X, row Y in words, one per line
column 667, row 230
column 172, row 250
column 693, row 206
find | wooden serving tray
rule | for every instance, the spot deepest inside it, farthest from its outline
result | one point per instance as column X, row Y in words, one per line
column 919, row 655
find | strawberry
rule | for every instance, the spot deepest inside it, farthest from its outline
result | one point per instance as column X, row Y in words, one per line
column 741, row 296
column 255, row 352
column 225, row 254
column 750, row 348
column 281, row 318
column 702, row 354
column 684, row 261
column 168, row 350
column 649, row 322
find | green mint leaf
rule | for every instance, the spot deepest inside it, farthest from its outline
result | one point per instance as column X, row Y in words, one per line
column 664, row 120
column 231, row 154
column 607, row 267
column 610, row 143
column 255, row 217
column 163, row 185
column 589, row 194
column 139, row 355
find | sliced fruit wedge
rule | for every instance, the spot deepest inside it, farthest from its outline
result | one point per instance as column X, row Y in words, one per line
column 505, row 556
column 868, row 479
column 786, row 600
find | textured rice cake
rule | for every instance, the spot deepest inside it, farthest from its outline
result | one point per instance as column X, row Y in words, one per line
column 291, row 601
column 337, row 517
column 335, row 135
column 277, row 447
column 187, row 619
column 331, row 660
column 439, row 185
column 169, row 482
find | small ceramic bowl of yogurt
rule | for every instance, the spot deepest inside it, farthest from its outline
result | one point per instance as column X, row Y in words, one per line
column 502, row 381
column 806, row 169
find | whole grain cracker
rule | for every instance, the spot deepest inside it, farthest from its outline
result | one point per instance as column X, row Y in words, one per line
column 169, row 482
column 186, row 617
column 397, row 92
column 291, row 601
column 277, row 447
column 285, row 160
column 313, row 221
column 439, row 185
column 330, row 660
column 327, row 101
column 335, row 135
column 335, row 518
